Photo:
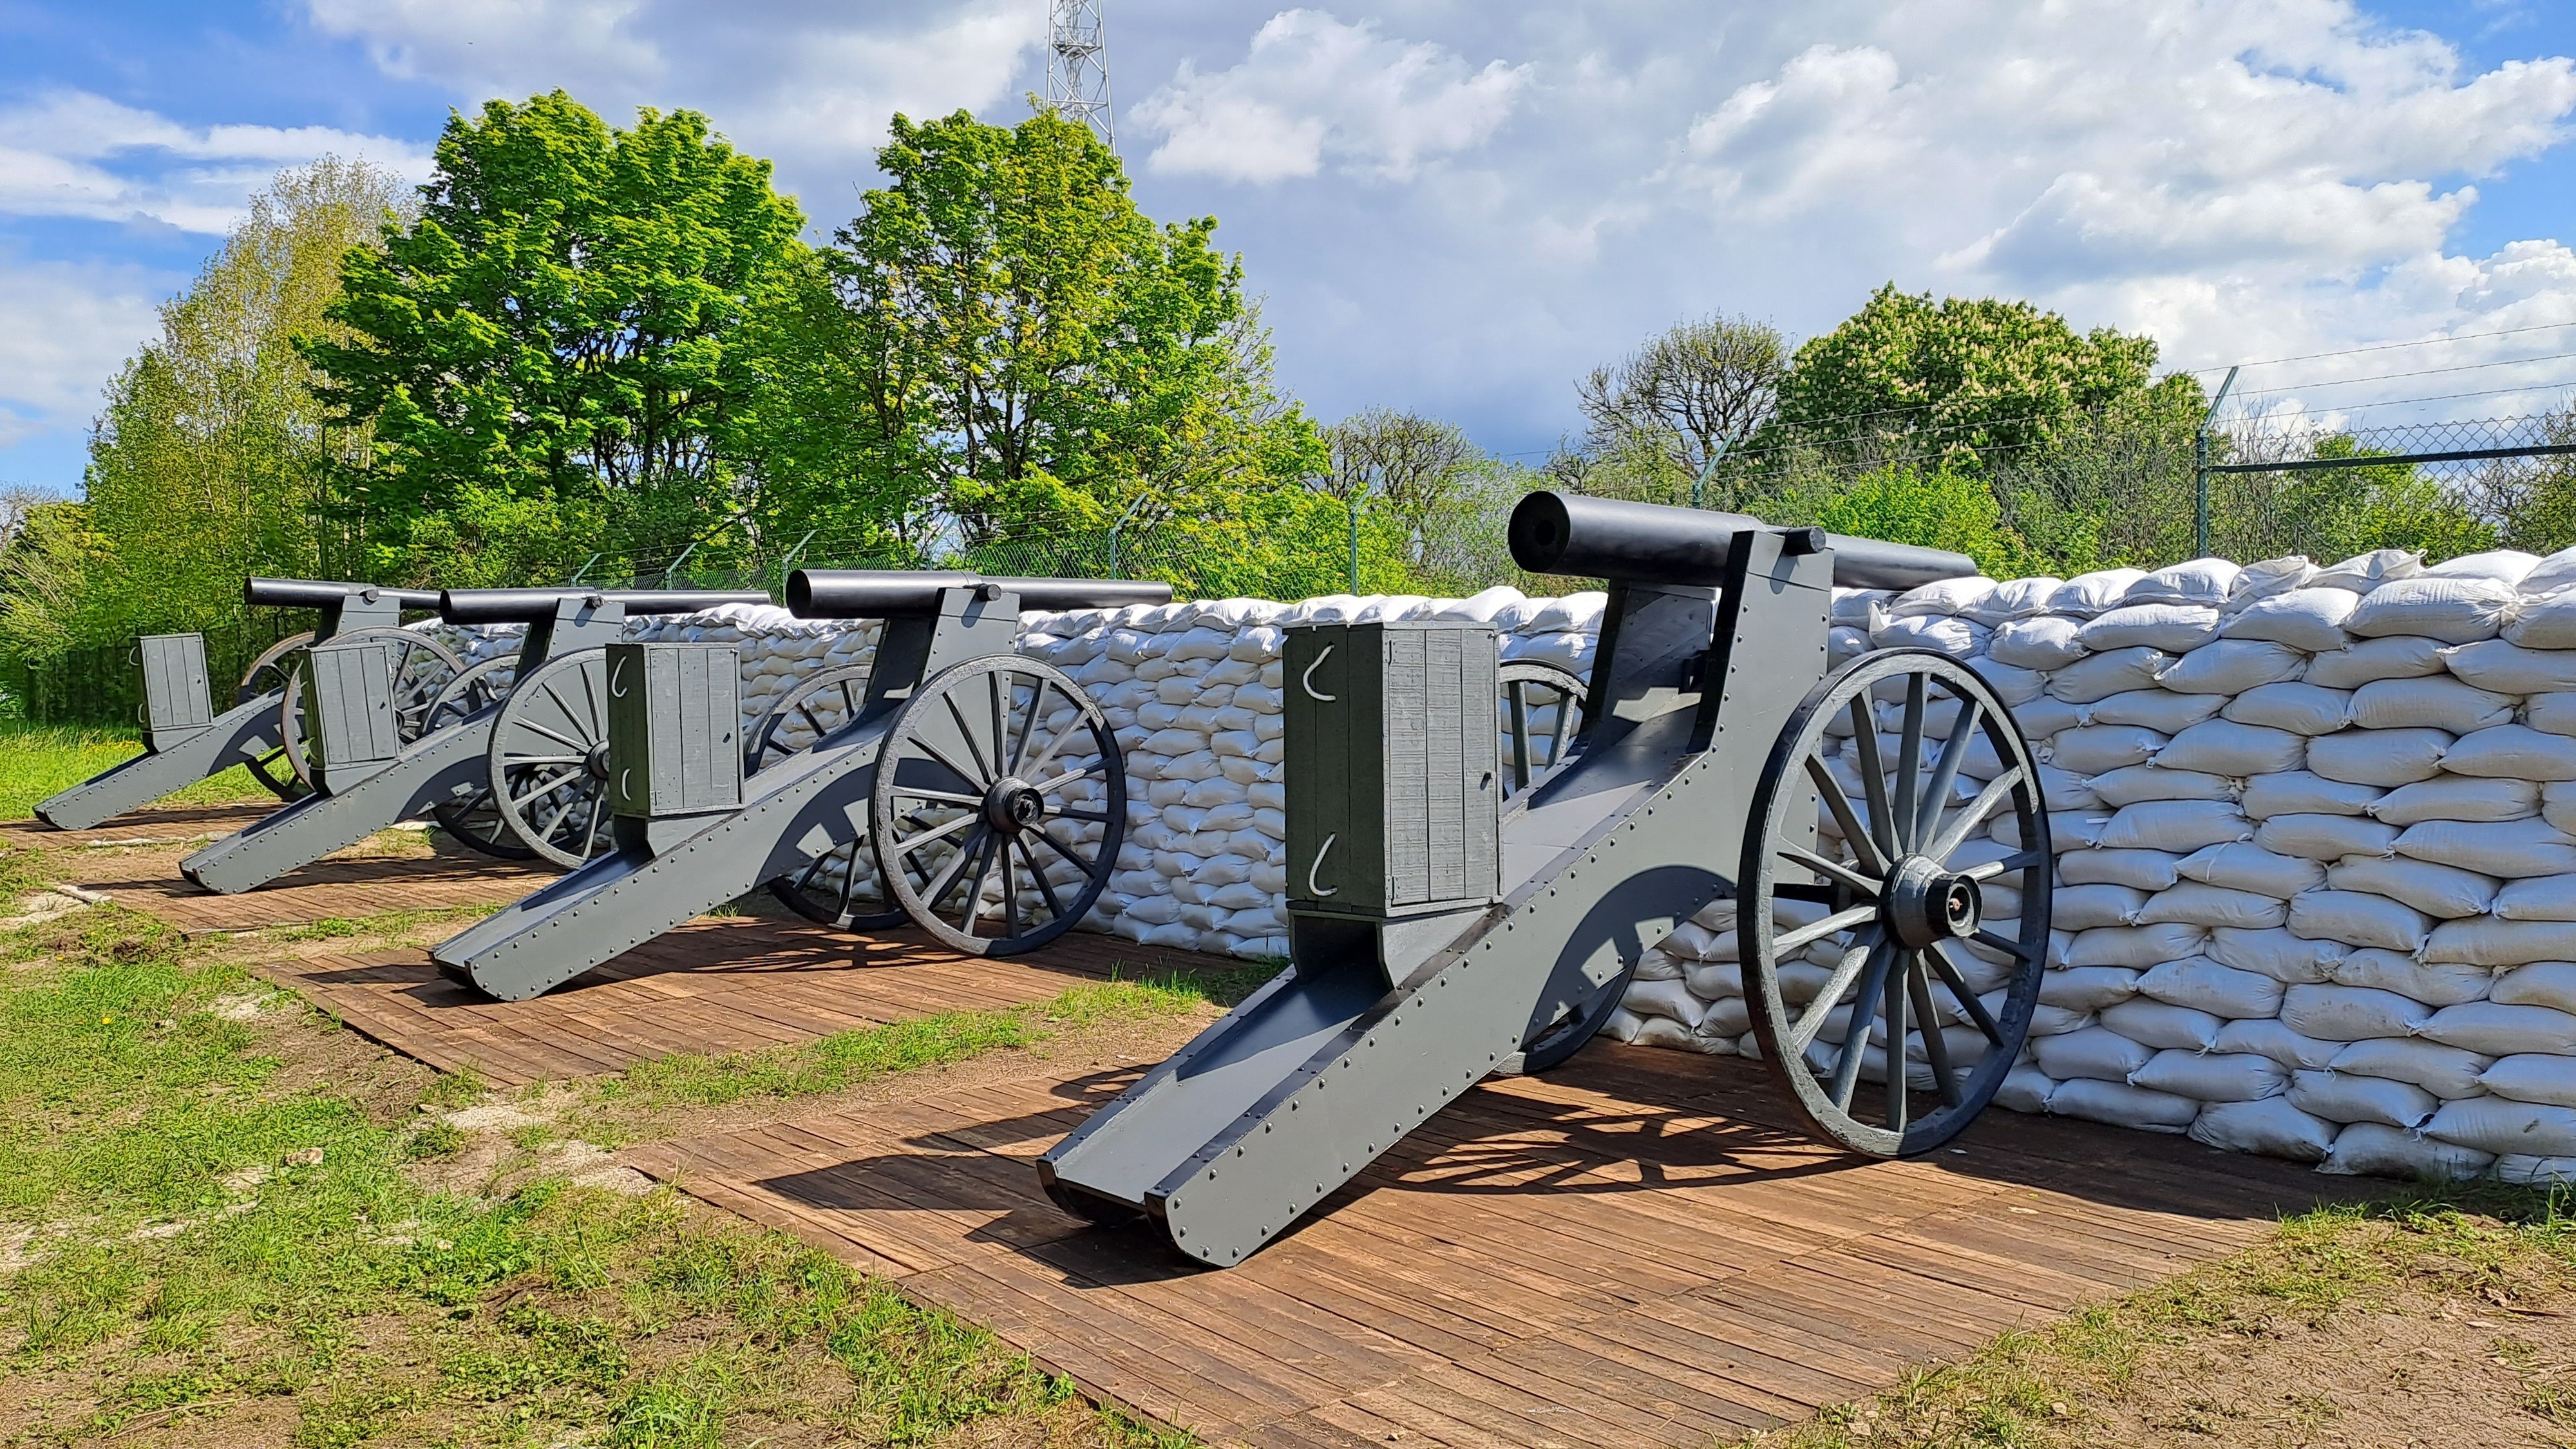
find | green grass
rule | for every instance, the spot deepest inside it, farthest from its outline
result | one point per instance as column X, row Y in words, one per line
column 189, row 1256
column 40, row 760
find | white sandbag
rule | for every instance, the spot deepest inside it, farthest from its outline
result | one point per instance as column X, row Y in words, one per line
column 2543, row 621
column 2439, row 702
column 2136, row 946
column 1671, row 999
column 2446, row 1072
column 2543, row 983
column 2340, row 1098
column 2267, row 578
column 2457, row 797
column 2086, row 989
column 1941, row 599
column 2277, row 954
column 2067, row 829
column 2487, row 941
column 2224, row 747
column 2554, row 572
column 2207, row 581
column 2526, row 1171
column 2090, row 594
column 1728, row 1018
column 2371, row 1149
column 2269, row 1038
column 2203, row 985
column 2350, row 1013
column 2434, row 984
column 2045, row 642
column 2504, row 667
column 2512, row 752
column 2551, row 713
column 2501, row 565
column 2455, row 611
column 2533, row 1077
column 2175, row 825
column 2244, row 866
column 2503, row 1029
column 2014, row 686
column 2365, row 572
column 2325, row 837
column 2199, row 904
column 2046, row 716
column 2387, row 757
column 1957, row 638
column 2233, row 666
column 1854, row 606
column 2099, row 749
column 2269, row 1128
column 2358, row 919
column 2025, row 1089
column 2095, row 1052
column 2132, row 783
column 2083, row 907
column 2558, row 806
column 2403, row 656
column 2500, row 1124
column 2147, row 870
column 2440, row 891
column 2299, row 792
column 2296, row 706
column 2173, row 628
column 2104, row 675
column 2212, row 1076
column 2159, row 1024
column 2013, row 599
column 2159, row 710
column 2511, row 848
column 1671, row 1035
column 2305, row 619
column 2122, row 1105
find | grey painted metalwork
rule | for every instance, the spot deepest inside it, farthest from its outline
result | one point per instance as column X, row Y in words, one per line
column 185, row 741
column 359, row 790
column 1713, row 632
column 946, row 658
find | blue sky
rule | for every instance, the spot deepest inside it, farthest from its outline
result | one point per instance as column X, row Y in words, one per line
column 1449, row 205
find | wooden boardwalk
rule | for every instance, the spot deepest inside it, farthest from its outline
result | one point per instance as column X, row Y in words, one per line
column 1632, row 1250
column 152, row 825
column 341, row 888
column 721, row 984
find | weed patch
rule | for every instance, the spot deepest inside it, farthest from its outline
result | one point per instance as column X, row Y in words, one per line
column 41, row 760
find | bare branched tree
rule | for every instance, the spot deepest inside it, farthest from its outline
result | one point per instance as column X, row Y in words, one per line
column 1405, row 463
column 1697, row 390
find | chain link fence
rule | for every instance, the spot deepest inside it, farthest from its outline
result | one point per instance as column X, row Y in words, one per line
column 101, row 686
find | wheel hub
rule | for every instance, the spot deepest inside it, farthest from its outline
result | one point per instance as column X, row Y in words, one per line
column 596, row 762
column 1925, row 903
column 1013, row 805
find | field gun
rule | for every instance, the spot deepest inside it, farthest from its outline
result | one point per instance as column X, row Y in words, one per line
column 953, row 783
column 1440, row 935
column 467, row 764
column 185, row 741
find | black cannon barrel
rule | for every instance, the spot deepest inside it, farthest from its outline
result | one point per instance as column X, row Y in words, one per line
column 324, row 594
column 526, row 606
column 898, row 593
column 1652, row 543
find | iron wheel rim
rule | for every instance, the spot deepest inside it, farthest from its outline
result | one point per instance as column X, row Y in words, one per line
column 471, row 818
column 279, row 667
column 826, row 890
column 548, row 760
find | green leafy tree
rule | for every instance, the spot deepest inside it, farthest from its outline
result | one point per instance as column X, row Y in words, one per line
column 554, row 355
column 1938, row 508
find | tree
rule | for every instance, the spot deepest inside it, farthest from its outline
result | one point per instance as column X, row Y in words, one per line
column 1687, row 397
column 1935, row 509
column 1407, row 467
column 552, row 356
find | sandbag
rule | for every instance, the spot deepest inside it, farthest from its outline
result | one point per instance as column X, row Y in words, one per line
column 2553, row 572
column 2526, row 1171
column 2340, row 1098
column 2558, row 806
column 2025, row 1089
column 2085, row 989
column 2135, row 946
column 2297, row 706
column 2553, row 714
column 2212, row 1077
column 2511, row 848
column 2267, row 1037
column 2434, row 984
column 2099, row 749
column 2372, row 1149
column 2244, row 866
column 2270, row 1128
column 2455, row 611
column 2500, row 1124
column 2446, row 1072
column 2277, row 954
column 2121, row 1105
column 2440, row 702
column 2440, row 891
column 2207, row 581
column 2172, row 628
column 1941, row 598
column 2325, row 837
column 2386, row 757
column 2308, row 619
column 2146, row 870
column 2046, row 716
column 2199, row 904
column 2160, row 710
column 2370, row 660
column 2203, row 985
column 2044, row 643
column 1957, row 638
column 2457, row 797
column 2533, row 1077
column 2012, row 599
column 2224, row 747
column 2356, row 918
column 2090, row 594
column 2502, row 1029
column 2096, row 1053
column 2512, row 752
column 2504, row 667
column 1670, row 999
column 2233, row 666
column 2104, row 675
column 2155, row 1023
column 2299, row 792
column 2543, row 983
column 2175, row 825
column 2486, row 941
column 2503, row 565
column 2350, row 1013
column 2132, row 783
column 2083, row 907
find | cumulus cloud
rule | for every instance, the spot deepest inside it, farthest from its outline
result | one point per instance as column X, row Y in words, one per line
column 1313, row 88
column 64, row 329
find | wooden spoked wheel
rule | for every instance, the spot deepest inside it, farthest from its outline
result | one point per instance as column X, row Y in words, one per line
column 839, row 888
column 549, row 758
column 422, row 669
column 280, row 668
column 1912, row 996
column 989, row 784
column 472, row 817
column 1542, row 712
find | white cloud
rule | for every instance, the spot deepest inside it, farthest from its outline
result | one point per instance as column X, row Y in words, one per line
column 1313, row 87
column 64, row 329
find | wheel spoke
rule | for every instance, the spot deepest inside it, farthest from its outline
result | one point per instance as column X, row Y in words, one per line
column 1978, row 810
column 1831, row 869
column 1831, row 791
column 1909, row 760
column 947, row 878
column 1089, row 868
column 569, row 744
column 1029, row 726
column 973, row 909
column 936, row 832
column 1516, row 701
column 1945, row 771
column 971, row 777
column 1010, row 886
column 2009, row 948
column 983, row 773
column 1095, row 817
column 1821, row 1005
column 1839, row 921
column 1895, row 1053
column 1873, row 775
column 1864, row 1015
column 1049, row 787
column 1046, row 888
column 546, row 788
column 2022, row 861
column 1978, row 1016
column 849, row 880
column 1936, row 1048
column 943, row 797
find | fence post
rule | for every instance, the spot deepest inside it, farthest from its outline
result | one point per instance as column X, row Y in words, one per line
column 1355, row 542
column 2200, row 470
column 1120, row 524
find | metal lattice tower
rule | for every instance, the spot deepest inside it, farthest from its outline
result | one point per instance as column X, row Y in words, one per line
column 1077, row 84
